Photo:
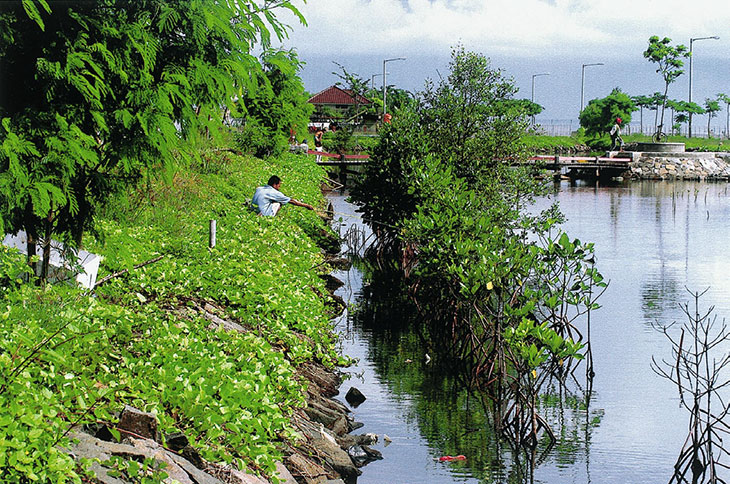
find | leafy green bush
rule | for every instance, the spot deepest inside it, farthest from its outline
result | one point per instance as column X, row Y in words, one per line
column 340, row 141
column 14, row 269
column 600, row 114
column 366, row 144
column 258, row 140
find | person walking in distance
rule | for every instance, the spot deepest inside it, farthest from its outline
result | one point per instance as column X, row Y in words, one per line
column 318, row 144
column 616, row 139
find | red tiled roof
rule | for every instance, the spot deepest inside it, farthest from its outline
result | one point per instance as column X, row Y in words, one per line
column 335, row 95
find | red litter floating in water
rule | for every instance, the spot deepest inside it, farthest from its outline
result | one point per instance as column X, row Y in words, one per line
column 449, row 458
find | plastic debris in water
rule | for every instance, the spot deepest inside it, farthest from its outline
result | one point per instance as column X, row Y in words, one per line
column 449, row 458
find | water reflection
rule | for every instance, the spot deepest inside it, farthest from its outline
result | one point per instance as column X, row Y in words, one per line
column 452, row 419
column 653, row 239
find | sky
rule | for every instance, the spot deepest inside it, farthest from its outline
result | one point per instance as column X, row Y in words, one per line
column 521, row 37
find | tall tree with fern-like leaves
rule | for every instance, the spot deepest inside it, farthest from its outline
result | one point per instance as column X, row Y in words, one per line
column 668, row 59
column 98, row 95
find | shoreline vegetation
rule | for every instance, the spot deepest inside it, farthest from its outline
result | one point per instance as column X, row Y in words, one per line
column 576, row 144
column 228, row 350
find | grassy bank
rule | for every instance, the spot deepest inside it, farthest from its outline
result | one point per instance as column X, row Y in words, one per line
column 68, row 358
column 557, row 144
column 692, row 144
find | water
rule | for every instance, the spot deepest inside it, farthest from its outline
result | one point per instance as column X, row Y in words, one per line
column 653, row 240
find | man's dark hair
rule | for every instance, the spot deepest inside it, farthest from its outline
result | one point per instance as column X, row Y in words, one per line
column 273, row 180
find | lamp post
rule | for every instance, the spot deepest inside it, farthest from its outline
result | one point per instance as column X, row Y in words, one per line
column 532, row 98
column 583, row 81
column 372, row 80
column 714, row 37
column 385, row 106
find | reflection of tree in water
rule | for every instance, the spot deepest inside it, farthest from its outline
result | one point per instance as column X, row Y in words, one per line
column 659, row 295
column 453, row 419
column 661, row 290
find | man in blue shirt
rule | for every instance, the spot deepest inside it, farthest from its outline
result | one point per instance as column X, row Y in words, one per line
column 267, row 200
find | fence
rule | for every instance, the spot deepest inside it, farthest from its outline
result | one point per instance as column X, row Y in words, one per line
column 567, row 127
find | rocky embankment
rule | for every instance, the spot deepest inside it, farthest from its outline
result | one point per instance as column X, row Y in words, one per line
column 681, row 166
column 326, row 452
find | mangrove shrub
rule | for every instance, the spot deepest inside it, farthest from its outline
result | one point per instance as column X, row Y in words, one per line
column 500, row 288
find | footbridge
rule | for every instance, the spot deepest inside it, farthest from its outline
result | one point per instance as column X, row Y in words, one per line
column 574, row 166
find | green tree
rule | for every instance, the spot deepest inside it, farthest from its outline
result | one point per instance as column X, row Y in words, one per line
column 669, row 62
column 465, row 116
column 642, row 102
column 684, row 109
column 461, row 121
column 275, row 107
column 674, row 107
column 525, row 106
column 600, row 114
column 680, row 118
column 657, row 100
column 397, row 99
column 98, row 95
column 712, row 106
column 726, row 99
column 356, row 87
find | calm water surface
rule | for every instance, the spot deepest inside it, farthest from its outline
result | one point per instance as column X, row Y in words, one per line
column 653, row 240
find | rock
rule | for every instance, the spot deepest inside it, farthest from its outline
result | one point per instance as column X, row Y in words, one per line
column 341, row 263
column 347, row 441
column 193, row 456
column 230, row 475
column 354, row 397
column 307, row 471
column 324, row 441
column 177, row 441
column 322, row 414
column 372, row 453
column 177, row 468
column 100, row 431
column 239, row 477
column 341, row 426
column 332, row 282
column 142, row 424
column 358, row 455
column 362, row 455
column 327, row 382
column 284, row 475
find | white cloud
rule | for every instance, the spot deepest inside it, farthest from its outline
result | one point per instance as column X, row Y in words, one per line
column 523, row 28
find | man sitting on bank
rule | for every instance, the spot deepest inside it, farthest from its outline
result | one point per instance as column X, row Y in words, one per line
column 267, row 200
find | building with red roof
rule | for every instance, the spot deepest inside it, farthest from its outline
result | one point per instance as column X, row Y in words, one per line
column 334, row 105
column 337, row 98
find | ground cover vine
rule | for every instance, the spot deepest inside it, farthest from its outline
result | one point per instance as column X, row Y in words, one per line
column 69, row 358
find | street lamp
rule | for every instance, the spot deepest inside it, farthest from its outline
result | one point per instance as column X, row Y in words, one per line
column 372, row 80
column 385, row 109
column 714, row 37
column 583, row 81
column 533, row 90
